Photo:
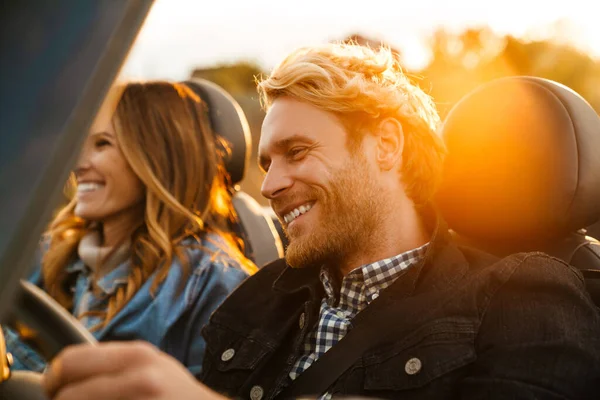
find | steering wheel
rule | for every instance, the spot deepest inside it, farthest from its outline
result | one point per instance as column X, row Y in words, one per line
column 57, row 329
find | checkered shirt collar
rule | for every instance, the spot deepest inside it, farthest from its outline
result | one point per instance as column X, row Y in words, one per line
column 362, row 285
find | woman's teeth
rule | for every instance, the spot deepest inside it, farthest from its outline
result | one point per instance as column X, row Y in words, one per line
column 88, row 187
column 296, row 212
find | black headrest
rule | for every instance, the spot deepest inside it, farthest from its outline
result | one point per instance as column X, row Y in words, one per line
column 228, row 121
column 523, row 161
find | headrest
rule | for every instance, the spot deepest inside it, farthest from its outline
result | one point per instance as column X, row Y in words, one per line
column 523, row 161
column 228, row 121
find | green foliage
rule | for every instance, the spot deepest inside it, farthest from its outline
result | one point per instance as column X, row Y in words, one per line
column 465, row 60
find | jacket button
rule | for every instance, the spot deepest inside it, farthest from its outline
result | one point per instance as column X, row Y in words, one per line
column 227, row 355
column 413, row 366
column 302, row 320
column 256, row 393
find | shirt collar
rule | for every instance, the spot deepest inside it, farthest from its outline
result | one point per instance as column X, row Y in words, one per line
column 77, row 266
column 108, row 283
column 363, row 284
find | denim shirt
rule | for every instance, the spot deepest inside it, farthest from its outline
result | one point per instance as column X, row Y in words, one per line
column 171, row 319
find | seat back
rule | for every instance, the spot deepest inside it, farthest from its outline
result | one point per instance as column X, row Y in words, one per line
column 262, row 242
column 594, row 230
column 523, row 172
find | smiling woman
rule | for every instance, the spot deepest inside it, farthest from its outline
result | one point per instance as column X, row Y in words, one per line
column 107, row 188
column 143, row 250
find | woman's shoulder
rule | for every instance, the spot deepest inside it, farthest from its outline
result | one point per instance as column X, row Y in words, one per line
column 213, row 253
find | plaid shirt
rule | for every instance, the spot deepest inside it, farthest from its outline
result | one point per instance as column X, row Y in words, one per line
column 359, row 288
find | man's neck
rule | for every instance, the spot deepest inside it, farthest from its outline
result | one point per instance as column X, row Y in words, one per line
column 402, row 230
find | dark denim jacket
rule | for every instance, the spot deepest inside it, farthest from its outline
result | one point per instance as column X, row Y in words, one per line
column 480, row 327
column 171, row 319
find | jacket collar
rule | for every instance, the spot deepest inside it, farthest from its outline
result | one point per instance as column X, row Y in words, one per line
column 108, row 283
column 442, row 266
column 293, row 280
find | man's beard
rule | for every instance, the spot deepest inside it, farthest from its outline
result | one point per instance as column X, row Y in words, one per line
column 350, row 213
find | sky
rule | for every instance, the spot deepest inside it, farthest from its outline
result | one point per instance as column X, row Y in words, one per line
column 179, row 35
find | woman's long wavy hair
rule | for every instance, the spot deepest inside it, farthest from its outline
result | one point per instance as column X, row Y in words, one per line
column 164, row 134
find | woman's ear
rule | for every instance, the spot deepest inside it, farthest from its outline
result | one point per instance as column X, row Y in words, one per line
column 390, row 144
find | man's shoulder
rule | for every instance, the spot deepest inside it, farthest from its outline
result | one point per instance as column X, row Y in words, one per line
column 538, row 284
column 519, row 266
column 538, row 266
column 538, row 271
column 543, row 301
column 523, row 275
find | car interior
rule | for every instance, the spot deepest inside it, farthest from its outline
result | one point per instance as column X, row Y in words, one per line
column 262, row 243
column 522, row 173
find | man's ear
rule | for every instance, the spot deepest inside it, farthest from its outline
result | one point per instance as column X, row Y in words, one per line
column 390, row 144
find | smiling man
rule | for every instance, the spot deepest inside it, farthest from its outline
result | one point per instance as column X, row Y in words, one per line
column 373, row 299
column 333, row 198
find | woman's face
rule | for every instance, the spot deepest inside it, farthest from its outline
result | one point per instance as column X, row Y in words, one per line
column 107, row 187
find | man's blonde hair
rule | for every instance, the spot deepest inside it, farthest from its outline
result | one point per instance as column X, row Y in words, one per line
column 362, row 86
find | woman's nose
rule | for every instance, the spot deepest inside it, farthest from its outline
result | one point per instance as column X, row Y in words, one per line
column 83, row 161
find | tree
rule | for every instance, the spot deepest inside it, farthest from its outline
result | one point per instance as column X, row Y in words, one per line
column 468, row 59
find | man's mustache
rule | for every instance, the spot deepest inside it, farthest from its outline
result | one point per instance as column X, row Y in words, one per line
column 280, row 203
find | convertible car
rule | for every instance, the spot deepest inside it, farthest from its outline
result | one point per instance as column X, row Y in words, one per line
column 522, row 174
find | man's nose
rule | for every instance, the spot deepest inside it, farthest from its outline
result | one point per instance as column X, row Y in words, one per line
column 276, row 182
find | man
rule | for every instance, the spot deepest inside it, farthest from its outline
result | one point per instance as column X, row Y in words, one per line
column 352, row 161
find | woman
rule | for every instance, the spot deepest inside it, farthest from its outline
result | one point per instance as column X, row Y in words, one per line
column 144, row 250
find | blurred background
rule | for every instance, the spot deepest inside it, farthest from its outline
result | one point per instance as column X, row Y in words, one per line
column 447, row 47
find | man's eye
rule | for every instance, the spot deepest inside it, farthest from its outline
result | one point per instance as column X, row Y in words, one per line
column 297, row 152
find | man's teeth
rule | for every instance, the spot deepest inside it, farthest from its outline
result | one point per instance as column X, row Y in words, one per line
column 88, row 187
column 296, row 212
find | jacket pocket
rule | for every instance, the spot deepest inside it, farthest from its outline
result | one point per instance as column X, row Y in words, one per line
column 432, row 352
column 228, row 351
column 230, row 360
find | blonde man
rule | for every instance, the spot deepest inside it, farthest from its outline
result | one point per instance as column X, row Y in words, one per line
column 374, row 299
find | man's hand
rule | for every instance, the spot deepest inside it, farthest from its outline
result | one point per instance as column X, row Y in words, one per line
column 121, row 370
